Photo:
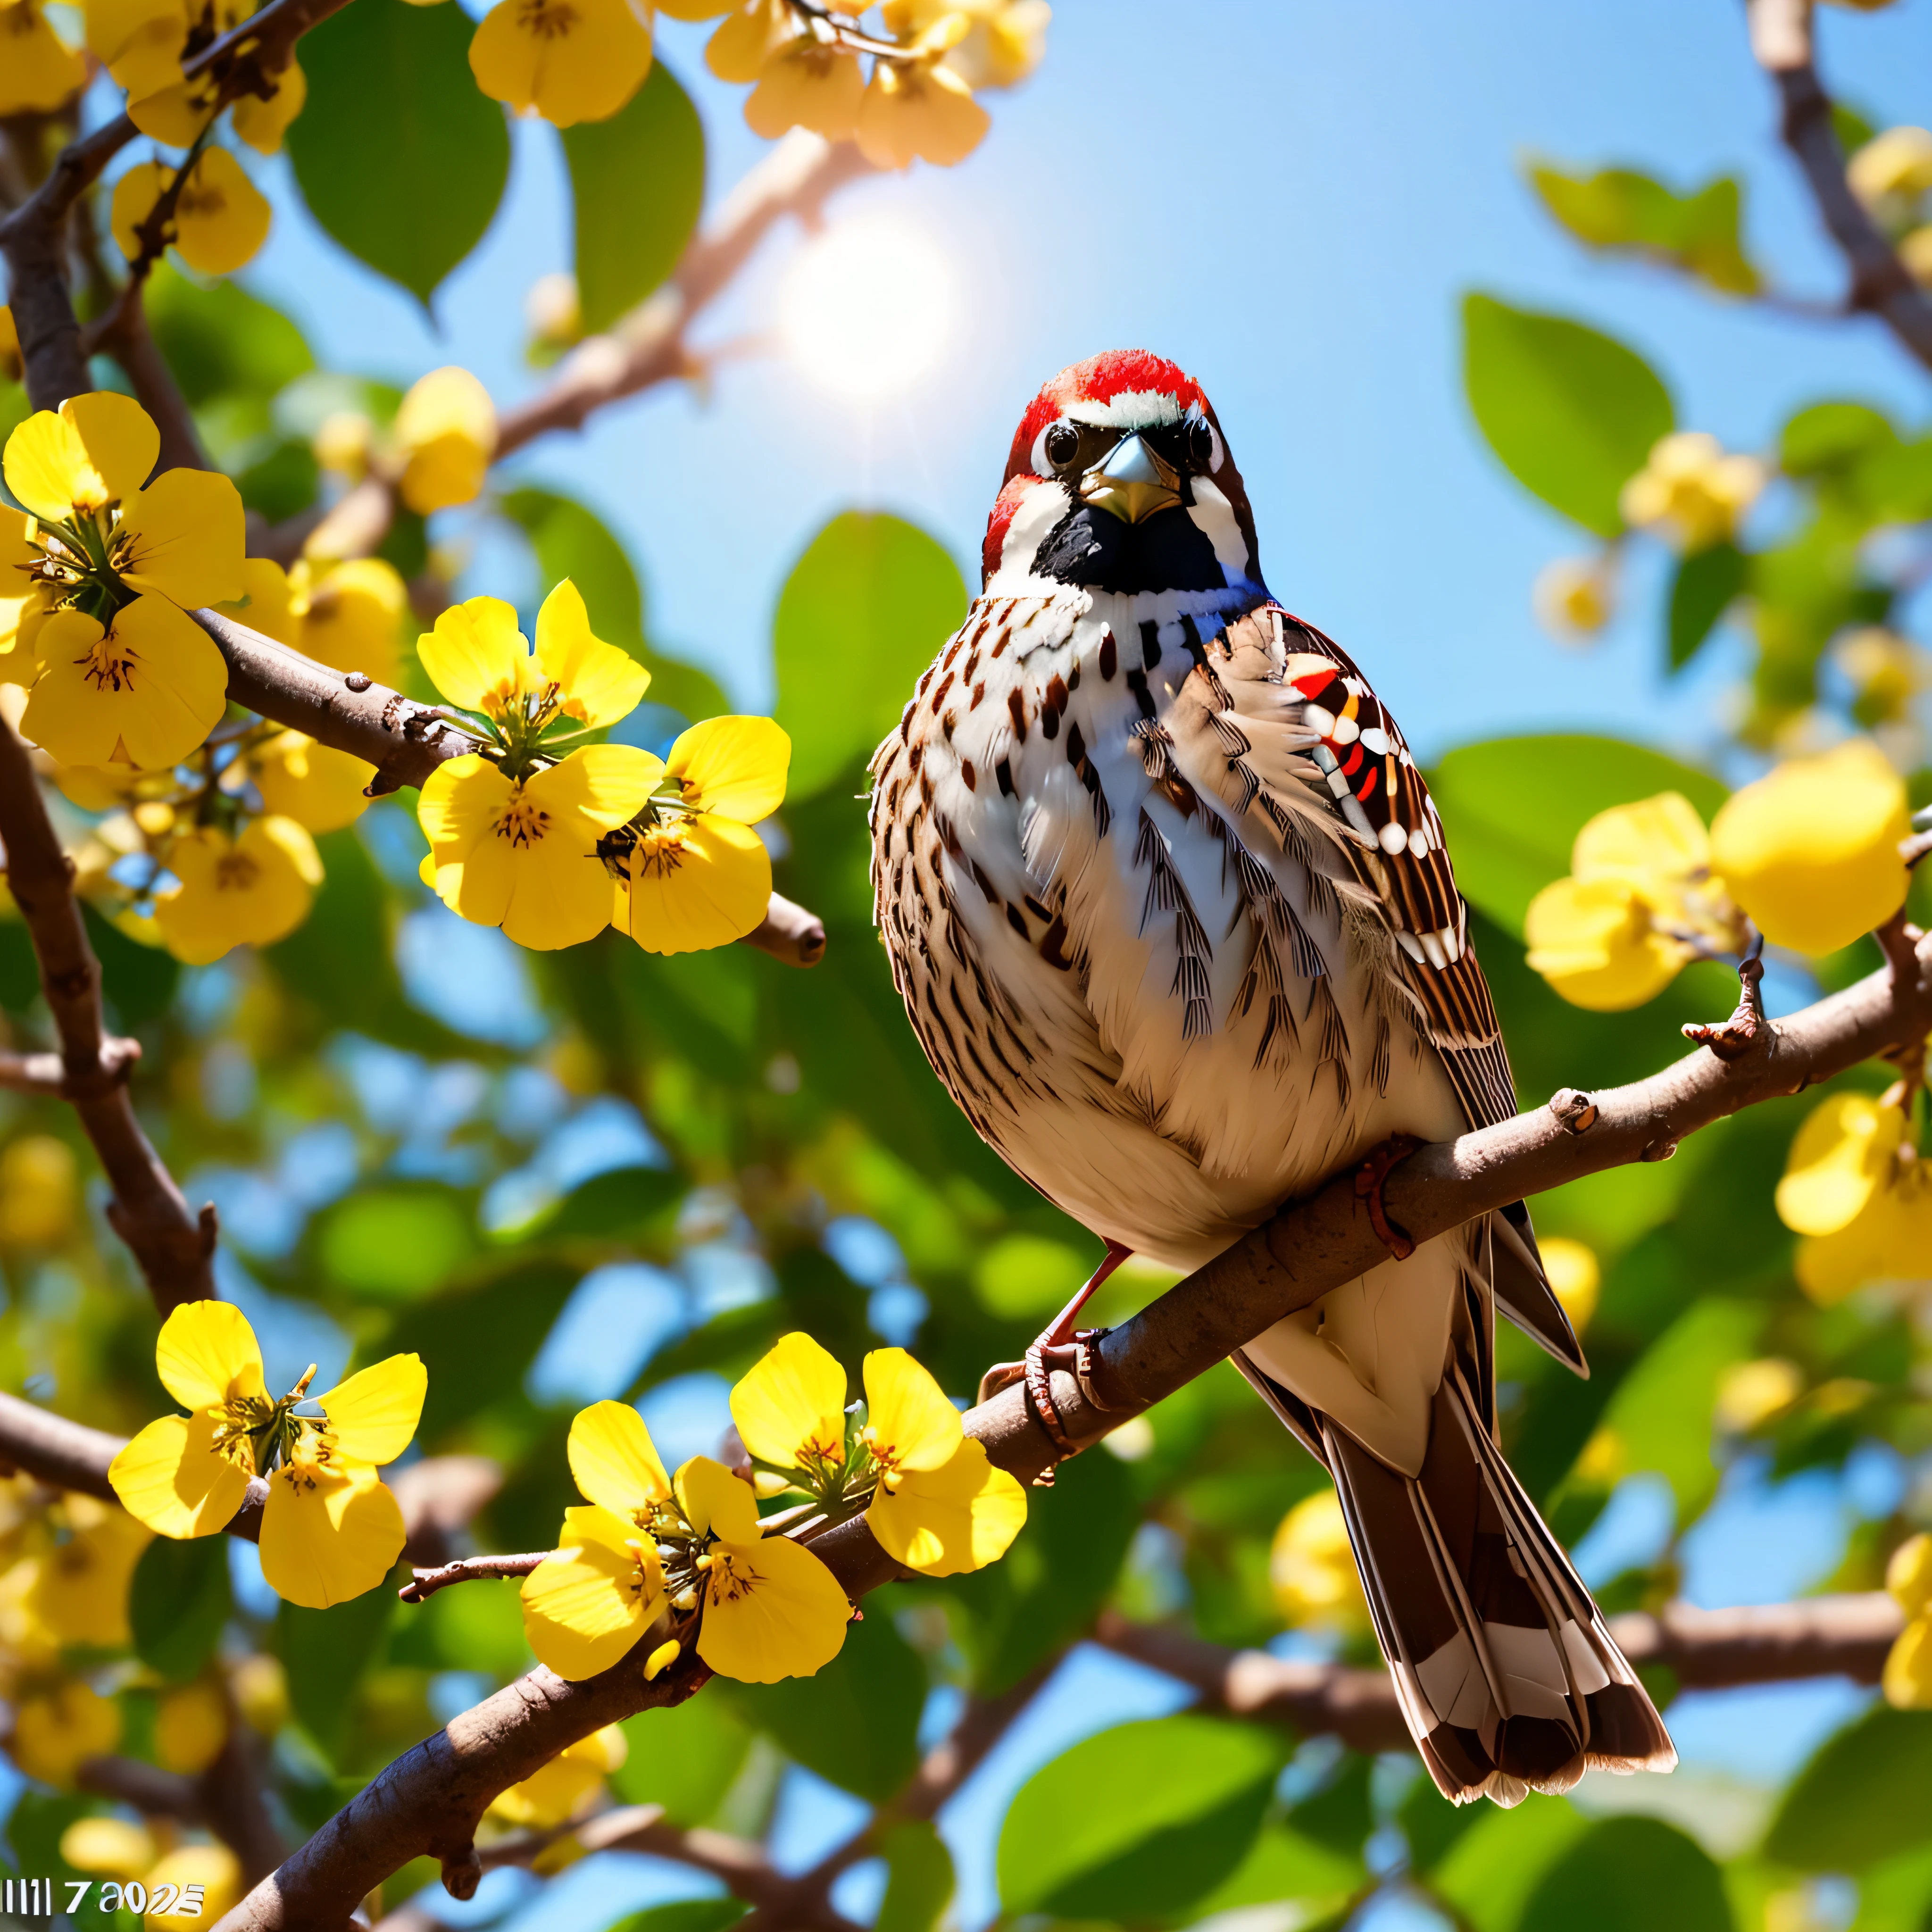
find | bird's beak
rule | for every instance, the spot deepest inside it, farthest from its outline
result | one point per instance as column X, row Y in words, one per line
column 1132, row 483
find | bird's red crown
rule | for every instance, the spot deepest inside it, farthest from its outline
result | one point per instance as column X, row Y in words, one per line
column 1099, row 380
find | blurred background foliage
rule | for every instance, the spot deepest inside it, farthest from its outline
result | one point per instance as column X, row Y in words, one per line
column 603, row 1173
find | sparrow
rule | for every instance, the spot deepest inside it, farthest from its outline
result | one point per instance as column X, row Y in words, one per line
column 1172, row 914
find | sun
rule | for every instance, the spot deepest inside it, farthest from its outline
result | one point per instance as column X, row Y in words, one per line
column 868, row 307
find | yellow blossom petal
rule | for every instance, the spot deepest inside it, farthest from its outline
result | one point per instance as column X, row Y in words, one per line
column 701, row 883
column 1830, row 1267
column 1845, row 1152
column 1660, row 838
column 215, row 1868
column 1593, row 940
column 792, row 1404
column 554, row 1792
column 807, row 86
column 98, row 449
column 327, row 1535
column 585, row 1607
column 352, row 615
column 172, row 1478
column 601, row 684
column 477, row 657
column 206, row 1355
column 145, row 693
column 55, row 1731
column 755, row 32
column 446, row 426
column 1810, row 852
column 1908, row 1576
column 266, row 602
column 374, row 1413
column 918, row 112
column 945, row 1521
column 733, row 767
column 182, row 537
column 1690, row 492
column 38, row 69
column 176, row 115
column 662, row 1659
column 713, row 1499
column 567, row 60
column 908, row 1415
column 250, row 891
column 613, row 1461
column 1576, row 1278
column 80, row 1586
column 771, row 1610
column 220, row 219
column 190, row 1727
column 139, row 41
column 114, row 1847
column 262, row 123
column 1311, row 1568
column 1908, row 1668
column 320, row 787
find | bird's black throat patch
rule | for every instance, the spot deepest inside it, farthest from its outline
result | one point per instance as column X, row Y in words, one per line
column 1097, row 550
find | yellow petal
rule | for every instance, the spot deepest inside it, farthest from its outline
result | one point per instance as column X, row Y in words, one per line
column 265, row 603
column 740, row 48
column 251, row 891
column 114, row 1847
column 172, row 1478
column 771, row 1610
column 215, row 1868
column 318, row 787
column 99, row 449
column 135, row 195
column 183, row 537
column 374, row 1413
column 207, row 1354
column 1311, row 1568
column 701, row 883
column 714, row 1499
column 462, row 800
column 222, row 218
column 806, row 85
column 601, row 684
column 1908, row 1668
column 1660, row 837
column 907, row 1411
column 1830, row 1267
column 176, row 115
column 1908, row 1575
column 959, row 1516
column 1811, row 851
column 81, row 1590
column 146, row 694
column 602, row 784
column 476, row 656
column 327, row 1535
column 190, row 1727
column 447, row 427
column 925, row 113
column 792, row 1404
column 734, row 767
column 1593, row 940
column 573, row 63
column 353, row 616
column 614, row 1462
column 262, row 123
column 1842, row 1154
column 40, row 70
column 57, row 1730
column 586, row 1607
column 139, row 41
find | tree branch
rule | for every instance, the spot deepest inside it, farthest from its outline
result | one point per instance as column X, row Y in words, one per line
column 1781, row 40
column 173, row 1248
column 425, row 1583
column 429, row 1800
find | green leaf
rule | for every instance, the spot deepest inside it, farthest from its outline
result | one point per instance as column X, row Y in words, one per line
column 1284, row 1864
column 1138, row 1822
column 14, row 410
column 684, row 1757
column 685, row 1914
column 1861, row 1798
column 1026, row 1274
column 1512, row 808
column 856, row 1722
column 478, row 1628
column 572, row 541
column 863, row 612
column 1703, row 588
column 1827, row 435
column 1853, row 127
column 1572, row 413
column 612, row 1204
column 637, row 180
column 398, row 155
column 919, row 1879
column 178, row 1603
column 1626, row 1872
column 220, row 339
column 1619, row 207
column 19, row 968
column 325, row 1653
column 395, row 1244
column 1492, row 1869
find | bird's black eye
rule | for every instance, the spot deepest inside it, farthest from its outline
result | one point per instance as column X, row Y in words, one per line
column 1063, row 444
column 1200, row 444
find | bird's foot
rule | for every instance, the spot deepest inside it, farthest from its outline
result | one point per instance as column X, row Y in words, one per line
column 1370, row 1179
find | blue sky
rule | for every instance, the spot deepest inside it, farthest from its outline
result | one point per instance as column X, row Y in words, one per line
column 1290, row 200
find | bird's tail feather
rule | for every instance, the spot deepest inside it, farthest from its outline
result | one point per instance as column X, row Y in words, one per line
column 1503, row 1667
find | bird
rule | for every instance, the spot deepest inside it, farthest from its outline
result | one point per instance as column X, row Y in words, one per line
column 1172, row 914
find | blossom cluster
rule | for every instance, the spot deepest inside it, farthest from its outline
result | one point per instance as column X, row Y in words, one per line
column 1808, row 855
column 1857, row 1193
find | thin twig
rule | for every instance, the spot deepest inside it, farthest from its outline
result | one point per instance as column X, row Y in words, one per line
column 425, row 1583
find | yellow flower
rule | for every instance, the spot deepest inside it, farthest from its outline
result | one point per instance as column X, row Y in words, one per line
column 805, row 84
column 1006, row 41
column 139, row 42
column 248, row 891
column 552, row 1795
column 111, row 1846
column 772, row 1609
column 351, row 614
column 316, row 785
column 1915, row 251
column 78, row 1587
column 446, row 426
column 1908, row 1668
column 754, row 34
column 262, row 123
column 790, row 1409
column 567, row 60
column 586, row 1607
column 1750, row 1392
column 1894, row 166
column 1690, row 492
column 330, row 1529
column 190, row 1727
column 219, row 223
column 918, row 110
column 57, row 1728
column 697, row 875
column 1846, row 1152
column 1576, row 1279
column 1908, row 1576
column 342, row 441
column 1311, row 1568
column 39, row 1191
column 144, row 691
column 38, row 69
column 1575, row 597
column 9, row 345
column 212, row 1872
column 1811, row 851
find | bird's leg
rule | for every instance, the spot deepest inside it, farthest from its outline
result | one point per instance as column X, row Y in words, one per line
column 1370, row 1178
column 1059, row 1346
